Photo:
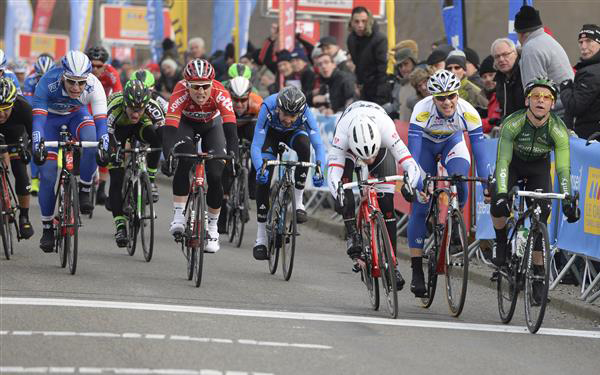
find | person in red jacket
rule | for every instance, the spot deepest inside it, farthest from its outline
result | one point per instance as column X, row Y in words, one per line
column 494, row 113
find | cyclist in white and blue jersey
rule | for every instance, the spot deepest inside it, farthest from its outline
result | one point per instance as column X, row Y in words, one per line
column 4, row 72
column 61, row 98
column 436, row 128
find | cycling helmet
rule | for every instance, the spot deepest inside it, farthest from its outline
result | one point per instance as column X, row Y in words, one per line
column 97, row 53
column 442, row 81
column 43, row 63
column 291, row 100
column 542, row 82
column 136, row 94
column 76, row 65
column 19, row 66
column 2, row 60
column 145, row 76
column 365, row 139
column 239, row 70
column 199, row 70
column 8, row 92
column 239, row 87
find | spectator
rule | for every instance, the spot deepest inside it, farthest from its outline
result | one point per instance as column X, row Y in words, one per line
column 581, row 98
column 196, row 49
column 284, row 71
column 368, row 48
column 266, row 79
column 154, row 69
column 303, row 72
column 494, row 114
column 268, row 52
column 541, row 54
column 437, row 60
column 169, row 76
column 418, row 79
column 473, row 67
column 337, row 89
column 456, row 63
column 406, row 61
column 169, row 51
column 509, row 89
column 329, row 45
column 126, row 70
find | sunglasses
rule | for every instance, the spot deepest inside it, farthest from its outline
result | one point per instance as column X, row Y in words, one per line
column 240, row 100
column 6, row 107
column 97, row 66
column 539, row 95
column 198, row 86
column 74, row 82
column 442, row 98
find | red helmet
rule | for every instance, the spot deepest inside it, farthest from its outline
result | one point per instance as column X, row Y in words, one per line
column 198, row 70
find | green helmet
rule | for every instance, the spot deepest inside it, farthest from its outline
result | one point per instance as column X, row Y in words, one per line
column 542, row 82
column 136, row 94
column 239, row 70
column 145, row 76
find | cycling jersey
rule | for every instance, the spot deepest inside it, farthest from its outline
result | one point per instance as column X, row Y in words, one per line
column 110, row 80
column 254, row 103
column 18, row 125
column 529, row 143
column 29, row 85
column 389, row 140
column 160, row 100
column 19, row 116
column 219, row 103
column 118, row 118
column 268, row 118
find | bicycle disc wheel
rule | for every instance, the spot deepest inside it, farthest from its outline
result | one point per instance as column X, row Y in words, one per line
column 371, row 282
column 129, row 209
column 71, row 219
column 146, row 219
column 272, row 220
column 198, row 235
column 506, row 286
column 386, row 265
column 457, row 263
column 536, row 277
column 288, row 232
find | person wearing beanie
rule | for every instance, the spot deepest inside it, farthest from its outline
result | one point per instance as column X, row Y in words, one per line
column 406, row 60
column 494, row 114
column 473, row 67
column 418, row 80
column 541, row 54
column 285, row 69
column 436, row 60
column 581, row 97
column 456, row 63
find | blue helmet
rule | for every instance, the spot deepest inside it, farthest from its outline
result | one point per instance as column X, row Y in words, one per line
column 2, row 60
column 76, row 65
column 43, row 63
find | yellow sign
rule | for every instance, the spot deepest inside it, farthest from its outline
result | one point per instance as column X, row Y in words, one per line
column 178, row 10
column 133, row 22
column 591, row 220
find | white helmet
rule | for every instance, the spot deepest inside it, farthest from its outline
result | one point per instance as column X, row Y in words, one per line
column 76, row 65
column 2, row 60
column 442, row 81
column 239, row 87
column 365, row 139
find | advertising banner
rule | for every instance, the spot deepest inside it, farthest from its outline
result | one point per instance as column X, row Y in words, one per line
column 43, row 15
column 341, row 8
column 19, row 18
column 82, row 13
column 128, row 24
column 453, row 22
column 156, row 31
column 178, row 11
column 31, row 45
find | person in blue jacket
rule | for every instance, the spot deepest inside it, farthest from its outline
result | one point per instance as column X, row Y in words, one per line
column 283, row 117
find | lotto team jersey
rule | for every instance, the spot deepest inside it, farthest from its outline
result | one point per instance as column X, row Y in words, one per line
column 110, row 80
column 219, row 103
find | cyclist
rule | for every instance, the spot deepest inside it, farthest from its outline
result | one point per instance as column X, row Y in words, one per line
column 131, row 114
column 283, row 117
column 19, row 67
column 246, row 106
column 5, row 72
column 61, row 98
column 365, row 132
column 199, row 105
column 526, row 139
column 43, row 63
column 15, row 122
column 147, row 78
column 110, row 80
column 436, row 128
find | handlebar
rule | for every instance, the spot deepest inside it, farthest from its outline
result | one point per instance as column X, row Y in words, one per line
column 202, row 156
column 81, row 144
column 515, row 191
column 137, row 150
column 371, row 181
column 290, row 163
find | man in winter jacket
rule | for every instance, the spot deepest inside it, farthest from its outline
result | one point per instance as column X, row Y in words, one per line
column 509, row 89
column 493, row 118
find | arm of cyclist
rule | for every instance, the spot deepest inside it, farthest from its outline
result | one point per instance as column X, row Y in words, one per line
column 560, row 135
column 39, row 113
column 504, row 155
column 475, row 130
column 390, row 139
column 98, row 103
column 314, row 134
column 260, row 134
column 337, row 158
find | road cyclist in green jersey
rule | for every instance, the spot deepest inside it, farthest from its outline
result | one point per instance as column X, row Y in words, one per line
column 132, row 114
column 526, row 139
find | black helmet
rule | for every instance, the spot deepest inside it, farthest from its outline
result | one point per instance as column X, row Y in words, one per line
column 291, row 100
column 97, row 53
column 136, row 94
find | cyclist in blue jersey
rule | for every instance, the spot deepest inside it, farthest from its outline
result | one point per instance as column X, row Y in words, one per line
column 4, row 72
column 436, row 128
column 61, row 98
column 43, row 63
column 283, row 117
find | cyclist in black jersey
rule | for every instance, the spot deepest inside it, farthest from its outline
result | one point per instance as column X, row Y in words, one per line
column 15, row 122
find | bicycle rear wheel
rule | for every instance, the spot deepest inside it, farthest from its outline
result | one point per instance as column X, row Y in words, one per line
column 146, row 217
column 386, row 265
column 288, row 227
column 198, row 234
column 71, row 223
column 5, row 232
column 506, row 287
column 457, row 263
column 371, row 282
column 241, row 208
column 536, row 300
column 272, row 220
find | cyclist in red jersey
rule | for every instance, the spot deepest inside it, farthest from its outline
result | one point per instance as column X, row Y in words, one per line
column 199, row 105
column 109, row 77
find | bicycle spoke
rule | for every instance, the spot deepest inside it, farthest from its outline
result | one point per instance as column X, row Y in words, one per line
column 371, row 282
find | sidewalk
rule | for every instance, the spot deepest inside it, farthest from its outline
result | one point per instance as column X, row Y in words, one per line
column 564, row 297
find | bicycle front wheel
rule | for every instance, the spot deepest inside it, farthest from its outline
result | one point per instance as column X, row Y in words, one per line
column 70, row 221
column 506, row 287
column 537, row 276
column 457, row 262
column 273, row 244
column 386, row 265
column 287, row 230
column 129, row 209
column 198, row 234
column 430, row 261
column 5, row 231
column 146, row 217
column 370, row 281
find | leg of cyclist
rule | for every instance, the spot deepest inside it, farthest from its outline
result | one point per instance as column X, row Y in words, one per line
column 416, row 222
column 84, row 129
column 300, row 143
column 115, row 192
column 35, row 178
column 103, row 173
column 500, row 211
column 149, row 134
column 247, row 132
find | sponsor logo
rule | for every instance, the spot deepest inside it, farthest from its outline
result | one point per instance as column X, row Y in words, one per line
column 472, row 118
column 591, row 209
column 262, row 207
column 154, row 112
column 54, row 86
column 226, row 102
column 177, row 103
column 198, row 115
column 423, row 116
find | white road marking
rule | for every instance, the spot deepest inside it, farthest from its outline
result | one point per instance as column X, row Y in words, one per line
column 120, row 370
column 98, row 304
column 153, row 336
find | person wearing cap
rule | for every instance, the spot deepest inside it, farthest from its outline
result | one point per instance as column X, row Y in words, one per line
column 437, row 59
column 541, row 54
column 494, row 114
column 473, row 67
column 303, row 72
column 581, row 97
column 509, row 89
column 329, row 45
column 406, row 61
column 456, row 63
column 418, row 79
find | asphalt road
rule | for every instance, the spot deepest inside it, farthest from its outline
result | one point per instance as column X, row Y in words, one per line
column 119, row 314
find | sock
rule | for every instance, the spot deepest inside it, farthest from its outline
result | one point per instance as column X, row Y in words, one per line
column 47, row 224
column 119, row 221
column 178, row 210
column 298, row 193
column 101, row 186
column 84, row 188
column 24, row 212
column 212, row 221
column 417, row 264
column 261, row 234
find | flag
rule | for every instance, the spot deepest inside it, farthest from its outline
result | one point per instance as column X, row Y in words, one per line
column 154, row 16
column 43, row 15
column 453, row 22
column 224, row 23
column 178, row 11
column 81, row 23
column 513, row 9
column 19, row 18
